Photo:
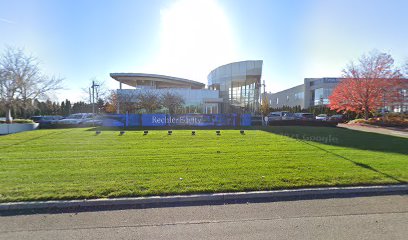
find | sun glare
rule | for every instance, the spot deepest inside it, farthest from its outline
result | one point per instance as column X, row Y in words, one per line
column 195, row 37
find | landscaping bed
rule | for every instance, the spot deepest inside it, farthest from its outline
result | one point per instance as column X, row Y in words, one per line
column 314, row 123
column 389, row 120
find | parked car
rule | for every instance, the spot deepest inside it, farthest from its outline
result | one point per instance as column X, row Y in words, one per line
column 95, row 121
column 338, row 118
column 288, row 116
column 46, row 120
column 322, row 117
column 76, row 119
column 305, row 116
column 276, row 116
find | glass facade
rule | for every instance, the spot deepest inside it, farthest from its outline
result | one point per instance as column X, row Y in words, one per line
column 239, row 85
column 321, row 96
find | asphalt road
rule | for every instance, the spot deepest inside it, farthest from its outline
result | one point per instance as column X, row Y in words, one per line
column 380, row 217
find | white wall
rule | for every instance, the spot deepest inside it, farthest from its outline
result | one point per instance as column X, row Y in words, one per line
column 17, row 127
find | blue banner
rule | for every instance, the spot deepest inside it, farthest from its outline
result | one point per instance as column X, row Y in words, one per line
column 156, row 120
column 160, row 120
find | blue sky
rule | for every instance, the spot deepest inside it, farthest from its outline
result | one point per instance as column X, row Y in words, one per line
column 80, row 40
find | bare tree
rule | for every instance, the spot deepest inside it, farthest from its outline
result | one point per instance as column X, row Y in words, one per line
column 172, row 101
column 149, row 101
column 125, row 100
column 21, row 80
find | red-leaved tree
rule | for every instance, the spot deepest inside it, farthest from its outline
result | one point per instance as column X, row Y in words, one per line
column 371, row 83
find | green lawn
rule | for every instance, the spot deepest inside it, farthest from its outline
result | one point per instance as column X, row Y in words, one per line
column 76, row 163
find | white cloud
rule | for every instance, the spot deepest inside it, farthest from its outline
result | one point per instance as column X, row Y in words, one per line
column 6, row 21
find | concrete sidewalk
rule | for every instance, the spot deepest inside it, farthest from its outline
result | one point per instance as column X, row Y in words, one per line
column 203, row 199
column 379, row 217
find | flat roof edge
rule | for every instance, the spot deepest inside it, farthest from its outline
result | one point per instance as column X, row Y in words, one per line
column 288, row 89
column 158, row 76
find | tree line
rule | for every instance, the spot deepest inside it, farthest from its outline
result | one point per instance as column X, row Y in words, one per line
column 64, row 108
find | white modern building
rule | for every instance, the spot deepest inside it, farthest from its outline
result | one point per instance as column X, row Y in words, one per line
column 239, row 84
column 197, row 99
column 232, row 88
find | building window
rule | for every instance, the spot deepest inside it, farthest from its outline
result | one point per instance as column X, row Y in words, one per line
column 287, row 98
column 321, row 96
column 277, row 101
column 299, row 96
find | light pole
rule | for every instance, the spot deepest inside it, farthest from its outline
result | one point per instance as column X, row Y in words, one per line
column 94, row 89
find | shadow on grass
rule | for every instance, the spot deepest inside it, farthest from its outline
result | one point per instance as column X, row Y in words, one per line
column 34, row 138
column 343, row 137
column 346, row 138
column 362, row 165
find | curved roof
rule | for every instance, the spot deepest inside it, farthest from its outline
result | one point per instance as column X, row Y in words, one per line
column 243, row 71
column 241, row 65
column 159, row 81
column 240, row 62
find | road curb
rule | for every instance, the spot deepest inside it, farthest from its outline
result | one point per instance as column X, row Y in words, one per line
column 276, row 195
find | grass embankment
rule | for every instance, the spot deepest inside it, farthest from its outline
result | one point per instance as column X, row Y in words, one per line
column 77, row 163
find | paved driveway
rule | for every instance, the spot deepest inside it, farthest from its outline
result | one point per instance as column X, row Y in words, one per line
column 400, row 132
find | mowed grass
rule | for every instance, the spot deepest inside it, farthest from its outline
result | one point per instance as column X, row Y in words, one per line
column 77, row 163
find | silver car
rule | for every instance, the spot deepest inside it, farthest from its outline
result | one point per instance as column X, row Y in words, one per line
column 276, row 116
column 305, row 116
column 322, row 117
column 76, row 119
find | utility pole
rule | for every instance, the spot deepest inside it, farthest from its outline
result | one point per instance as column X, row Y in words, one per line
column 94, row 89
column 264, row 86
column 90, row 96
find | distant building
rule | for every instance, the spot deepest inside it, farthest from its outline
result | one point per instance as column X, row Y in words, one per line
column 316, row 92
column 232, row 88
column 313, row 92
